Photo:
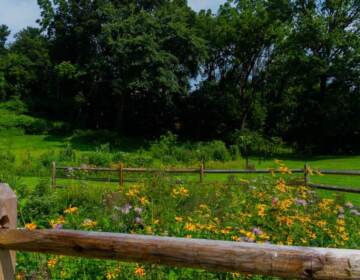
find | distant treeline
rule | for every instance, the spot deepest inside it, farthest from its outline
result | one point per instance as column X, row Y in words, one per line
column 288, row 69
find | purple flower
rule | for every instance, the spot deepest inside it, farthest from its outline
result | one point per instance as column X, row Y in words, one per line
column 58, row 226
column 301, row 202
column 138, row 210
column 349, row 205
column 126, row 208
column 274, row 201
column 138, row 220
column 355, row 212
column 257, row 231
column 341, row 216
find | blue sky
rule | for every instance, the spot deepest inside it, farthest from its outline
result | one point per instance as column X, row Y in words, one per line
column 18, row 14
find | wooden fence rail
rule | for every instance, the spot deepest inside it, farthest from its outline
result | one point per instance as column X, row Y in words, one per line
column 202, row 171
column 222, row 256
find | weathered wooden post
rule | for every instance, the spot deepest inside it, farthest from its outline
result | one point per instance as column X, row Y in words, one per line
column 121, row 174
column 53, row 175
column 8, row 215
column 201, row 172
column 306, row 174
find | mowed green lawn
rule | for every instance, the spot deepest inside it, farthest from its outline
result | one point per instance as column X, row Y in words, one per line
column 21, row 145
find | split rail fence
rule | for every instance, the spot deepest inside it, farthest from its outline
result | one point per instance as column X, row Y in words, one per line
column 122, row 171
column 222, row 256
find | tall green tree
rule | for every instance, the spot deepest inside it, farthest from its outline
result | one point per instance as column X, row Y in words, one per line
column 315, row 80
column 241, row 40
column 150, row 57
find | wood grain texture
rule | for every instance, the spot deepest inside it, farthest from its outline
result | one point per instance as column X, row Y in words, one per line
column 8, row 216
column 282, row 261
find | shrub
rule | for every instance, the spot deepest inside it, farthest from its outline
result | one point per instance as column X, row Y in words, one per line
column 133, row 160
column 67, row 154
column 47, row 158
column 97, row 158
column 254, row 144
column 169, row 150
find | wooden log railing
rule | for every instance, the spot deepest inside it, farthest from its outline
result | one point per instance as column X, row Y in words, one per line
column 202, row 171
column 222, row 256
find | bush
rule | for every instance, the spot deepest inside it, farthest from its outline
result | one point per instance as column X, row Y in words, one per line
column 133, row 160
column 47, row 158
column 169, row 150
column 67, row 154
column 97, row 158
column 254, row 144
column 14, row 105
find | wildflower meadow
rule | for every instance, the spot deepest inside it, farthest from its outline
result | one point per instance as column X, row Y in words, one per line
column 258, row 210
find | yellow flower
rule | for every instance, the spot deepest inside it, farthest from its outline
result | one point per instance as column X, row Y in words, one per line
column 112, row 274
column 321, row 223
column 264, row 236
column 284, row 170
column 52, row 262
column 250, row 235
column 20, row 276
column 134, row 192
column 311, row 234
column 325, row 204
column 149, row 230
column 139, row 271
column 88, row 223
column 261, row 209
column 285, row 204
column 235, row 238
column 144, row 200
column 31, row 226
column 190, row 227
column 285, row 220
column 58, row 222
column 289, row 240
column 281, row 186
column 188, row 236
column 180, row 192
column 179, row 219
column 204, row 207
column 71, row 210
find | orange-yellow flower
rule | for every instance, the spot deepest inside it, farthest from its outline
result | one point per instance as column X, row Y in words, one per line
column 31, row 226
column 88, row 223
column 261, row 209
column 139, row 271
column 281, row 186
column 57, row 223
column 144, row 200
column 180, row 192
column 71, row 210
column 190, row 227
column 52, row 262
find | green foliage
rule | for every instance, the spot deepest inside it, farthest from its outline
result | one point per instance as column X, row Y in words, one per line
column 281, row 69
column 254, row 211
column 254, row 144
column 169, row 150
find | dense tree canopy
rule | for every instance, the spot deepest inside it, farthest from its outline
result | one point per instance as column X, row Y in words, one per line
column 277, row 68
